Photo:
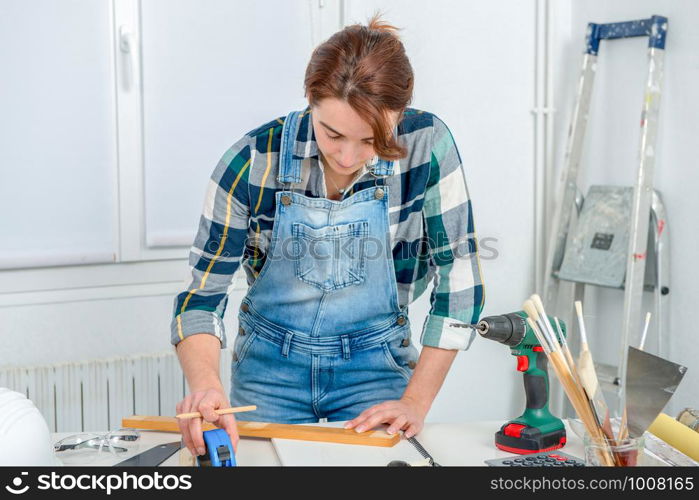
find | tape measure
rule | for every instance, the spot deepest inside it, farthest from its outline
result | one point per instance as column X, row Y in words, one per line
column 219, row 450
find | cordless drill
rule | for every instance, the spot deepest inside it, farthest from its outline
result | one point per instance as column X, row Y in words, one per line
column 536, row 430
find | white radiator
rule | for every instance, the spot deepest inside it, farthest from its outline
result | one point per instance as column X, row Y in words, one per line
column 95, row 395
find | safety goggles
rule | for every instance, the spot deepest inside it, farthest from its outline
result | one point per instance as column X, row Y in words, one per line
column 115, row 442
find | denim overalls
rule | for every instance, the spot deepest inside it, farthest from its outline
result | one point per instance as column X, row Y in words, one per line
column 321, row 333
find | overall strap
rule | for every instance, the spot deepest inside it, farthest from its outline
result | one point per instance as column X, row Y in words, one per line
column 289, row 167
column 382, row 167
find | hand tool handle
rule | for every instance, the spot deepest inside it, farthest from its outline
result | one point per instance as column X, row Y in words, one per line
column 536, row 383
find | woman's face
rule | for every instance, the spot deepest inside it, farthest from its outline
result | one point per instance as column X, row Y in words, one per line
column 344, row 139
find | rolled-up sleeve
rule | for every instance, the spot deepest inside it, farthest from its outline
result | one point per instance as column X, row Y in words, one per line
column 458, row 294
column 217, row 249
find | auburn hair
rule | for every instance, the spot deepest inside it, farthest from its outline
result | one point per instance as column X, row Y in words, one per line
column 367, row 67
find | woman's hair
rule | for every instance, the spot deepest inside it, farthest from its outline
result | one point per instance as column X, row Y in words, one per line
column 367, row 67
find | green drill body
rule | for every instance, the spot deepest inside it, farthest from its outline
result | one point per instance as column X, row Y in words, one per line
column 536, row 429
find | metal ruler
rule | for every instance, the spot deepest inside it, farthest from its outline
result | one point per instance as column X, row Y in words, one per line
column 152, row 457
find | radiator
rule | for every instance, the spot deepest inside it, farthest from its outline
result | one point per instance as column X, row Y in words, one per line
column 95, row 395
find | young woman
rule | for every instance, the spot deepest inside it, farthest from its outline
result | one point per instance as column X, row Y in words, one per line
column 341, row 215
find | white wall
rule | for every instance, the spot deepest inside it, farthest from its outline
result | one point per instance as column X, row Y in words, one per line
column 611, row 152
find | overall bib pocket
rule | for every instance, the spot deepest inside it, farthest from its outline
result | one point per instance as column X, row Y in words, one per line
column 330, row 257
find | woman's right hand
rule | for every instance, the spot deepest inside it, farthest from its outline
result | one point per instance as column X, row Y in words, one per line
column 205, row 402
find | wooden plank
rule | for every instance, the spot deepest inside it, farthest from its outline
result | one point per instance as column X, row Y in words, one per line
column 269, row 430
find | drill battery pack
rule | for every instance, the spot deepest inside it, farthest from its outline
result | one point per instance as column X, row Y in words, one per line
column 523, row 439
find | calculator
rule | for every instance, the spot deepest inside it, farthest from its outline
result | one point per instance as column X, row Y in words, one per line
column 548, row 459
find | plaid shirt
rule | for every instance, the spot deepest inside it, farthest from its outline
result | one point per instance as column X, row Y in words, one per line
column 432, row 235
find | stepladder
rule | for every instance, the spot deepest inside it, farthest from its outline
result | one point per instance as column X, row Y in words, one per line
column 614, row 236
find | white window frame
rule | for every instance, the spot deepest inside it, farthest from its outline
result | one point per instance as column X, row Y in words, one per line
column 135, row 269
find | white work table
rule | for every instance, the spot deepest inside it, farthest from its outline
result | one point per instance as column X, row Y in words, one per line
column 449, row 444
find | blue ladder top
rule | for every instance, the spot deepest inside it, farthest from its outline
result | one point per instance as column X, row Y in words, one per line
column 655, row 28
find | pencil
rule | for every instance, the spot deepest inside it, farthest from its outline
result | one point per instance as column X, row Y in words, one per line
column 224, row 411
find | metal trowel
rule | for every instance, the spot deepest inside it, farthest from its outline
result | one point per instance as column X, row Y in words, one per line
column 650, row 383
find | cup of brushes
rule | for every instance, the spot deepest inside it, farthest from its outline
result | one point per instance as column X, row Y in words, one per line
column 580, row 383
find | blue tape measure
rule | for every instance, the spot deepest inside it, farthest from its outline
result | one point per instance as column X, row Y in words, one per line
column 219, row 450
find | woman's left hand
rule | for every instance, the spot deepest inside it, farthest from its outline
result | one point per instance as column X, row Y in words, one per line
column 402, row 414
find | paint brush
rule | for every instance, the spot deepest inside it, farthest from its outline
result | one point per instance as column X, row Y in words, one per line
column 557, row 338
column 572, row 390
column 586, row 365
column 545, row 340
column 566, row 349
column 595, row 397
column 589, row 380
